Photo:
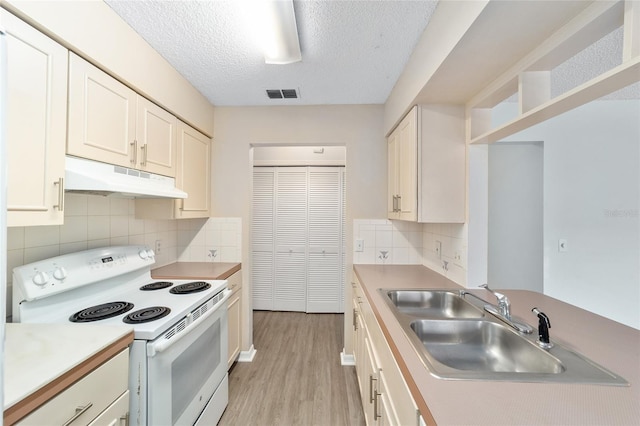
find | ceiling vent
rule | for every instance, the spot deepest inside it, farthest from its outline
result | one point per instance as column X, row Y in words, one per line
column 282, row 93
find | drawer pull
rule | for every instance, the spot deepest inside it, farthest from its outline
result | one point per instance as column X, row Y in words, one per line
column 79, row 411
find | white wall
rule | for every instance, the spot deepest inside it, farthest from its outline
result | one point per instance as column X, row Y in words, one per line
column 515, row 231
column 591, row 199
column 238, row 129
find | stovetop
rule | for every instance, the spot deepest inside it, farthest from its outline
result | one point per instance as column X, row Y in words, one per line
column 59, row 299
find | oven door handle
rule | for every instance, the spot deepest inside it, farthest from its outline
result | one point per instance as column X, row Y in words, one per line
column 163, row 345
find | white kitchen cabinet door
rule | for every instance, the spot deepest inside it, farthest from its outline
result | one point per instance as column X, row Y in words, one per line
column 194, row 172
column 102, row 116
column 156, row 132
column 111, row 123
column 427, row 166
column 36, row 125
column 403, row 169
column 297, row 239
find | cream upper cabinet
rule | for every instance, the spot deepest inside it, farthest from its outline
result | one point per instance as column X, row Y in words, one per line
column 427, row 165
column 193, row 176
column 36, row 125
column 156, row 132
column 194, row 172
column 403, row 172
column 109, row 122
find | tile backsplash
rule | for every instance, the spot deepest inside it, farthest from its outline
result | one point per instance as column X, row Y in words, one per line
column 409, row 243
column 93, row 221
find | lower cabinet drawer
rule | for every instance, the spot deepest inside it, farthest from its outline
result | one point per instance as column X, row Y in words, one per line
column 83, row 401
column 116, row 415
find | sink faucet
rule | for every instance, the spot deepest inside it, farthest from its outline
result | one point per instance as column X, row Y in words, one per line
column 504, row 306
column 503, row 311
column 543, row 329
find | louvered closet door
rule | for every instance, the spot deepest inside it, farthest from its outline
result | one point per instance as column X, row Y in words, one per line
column 324, row 276
column 291, row 239
column 298, row 243
column 262, row 271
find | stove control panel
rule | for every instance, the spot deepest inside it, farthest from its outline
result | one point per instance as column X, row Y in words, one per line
column 62, row 273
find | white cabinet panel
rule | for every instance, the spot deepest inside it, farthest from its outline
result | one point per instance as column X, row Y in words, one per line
column 426, row 166
column 111, row 123
column 102, row 116
column 36, row 125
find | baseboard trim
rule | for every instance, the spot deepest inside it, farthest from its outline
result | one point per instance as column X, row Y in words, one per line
column 247, row 356
column 347, row 359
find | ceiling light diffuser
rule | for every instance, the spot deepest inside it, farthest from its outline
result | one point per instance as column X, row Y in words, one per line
column 280, row 32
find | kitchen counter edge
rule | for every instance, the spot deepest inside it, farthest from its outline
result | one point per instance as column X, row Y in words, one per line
column 28, row 386
column 490, row 402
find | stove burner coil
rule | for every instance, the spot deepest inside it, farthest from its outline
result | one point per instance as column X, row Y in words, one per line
column 192, row 287
column 147, row 314
column 156, row 286
column 103, row 311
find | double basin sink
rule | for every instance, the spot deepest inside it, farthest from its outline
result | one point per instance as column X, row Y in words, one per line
column 457, row 339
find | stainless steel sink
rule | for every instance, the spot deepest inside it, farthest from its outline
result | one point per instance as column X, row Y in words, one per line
column 455, row 340
column 433, row 304
column 483, row 346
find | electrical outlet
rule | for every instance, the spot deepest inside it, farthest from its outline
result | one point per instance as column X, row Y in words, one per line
column 359, row 245
column 158, row 247
column 438, row 249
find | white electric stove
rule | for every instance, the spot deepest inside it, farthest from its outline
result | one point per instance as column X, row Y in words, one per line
column 178, row 358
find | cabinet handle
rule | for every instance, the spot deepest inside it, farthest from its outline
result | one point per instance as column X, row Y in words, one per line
column 145, row 150
column 355, row 319
column 134, row 146
column 376, row 416
column 395, row 203
column 399, row 203
column 125, row 419
column 79, row 411
column 371, row 391
column 60, row 205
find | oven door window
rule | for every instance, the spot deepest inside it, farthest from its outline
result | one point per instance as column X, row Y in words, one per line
column 183, row 377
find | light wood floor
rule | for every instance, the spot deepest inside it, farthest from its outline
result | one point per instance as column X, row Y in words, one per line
column 296, row 377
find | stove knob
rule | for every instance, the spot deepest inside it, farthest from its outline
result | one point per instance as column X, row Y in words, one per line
column 41, row 278
column 143, row 254
column 60, row 273
column 151, row 253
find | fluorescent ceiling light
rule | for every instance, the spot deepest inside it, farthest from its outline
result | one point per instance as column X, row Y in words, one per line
column 280, row 32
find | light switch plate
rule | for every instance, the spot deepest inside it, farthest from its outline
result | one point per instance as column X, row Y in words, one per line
column 438, row 249
column 562, row 245
column 359, row 245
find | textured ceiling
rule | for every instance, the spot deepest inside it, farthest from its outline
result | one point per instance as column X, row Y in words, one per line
column 352, row 51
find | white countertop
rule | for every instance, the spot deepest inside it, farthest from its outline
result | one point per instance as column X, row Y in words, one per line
column 37, row 354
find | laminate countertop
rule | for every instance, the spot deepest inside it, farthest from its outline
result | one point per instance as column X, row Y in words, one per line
column 196, row 271
column 606, row 342
column 41, row 360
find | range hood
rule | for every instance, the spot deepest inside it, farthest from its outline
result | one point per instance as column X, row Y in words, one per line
column 92, row 177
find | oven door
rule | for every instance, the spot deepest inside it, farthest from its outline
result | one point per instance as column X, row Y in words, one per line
column 185, row 370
